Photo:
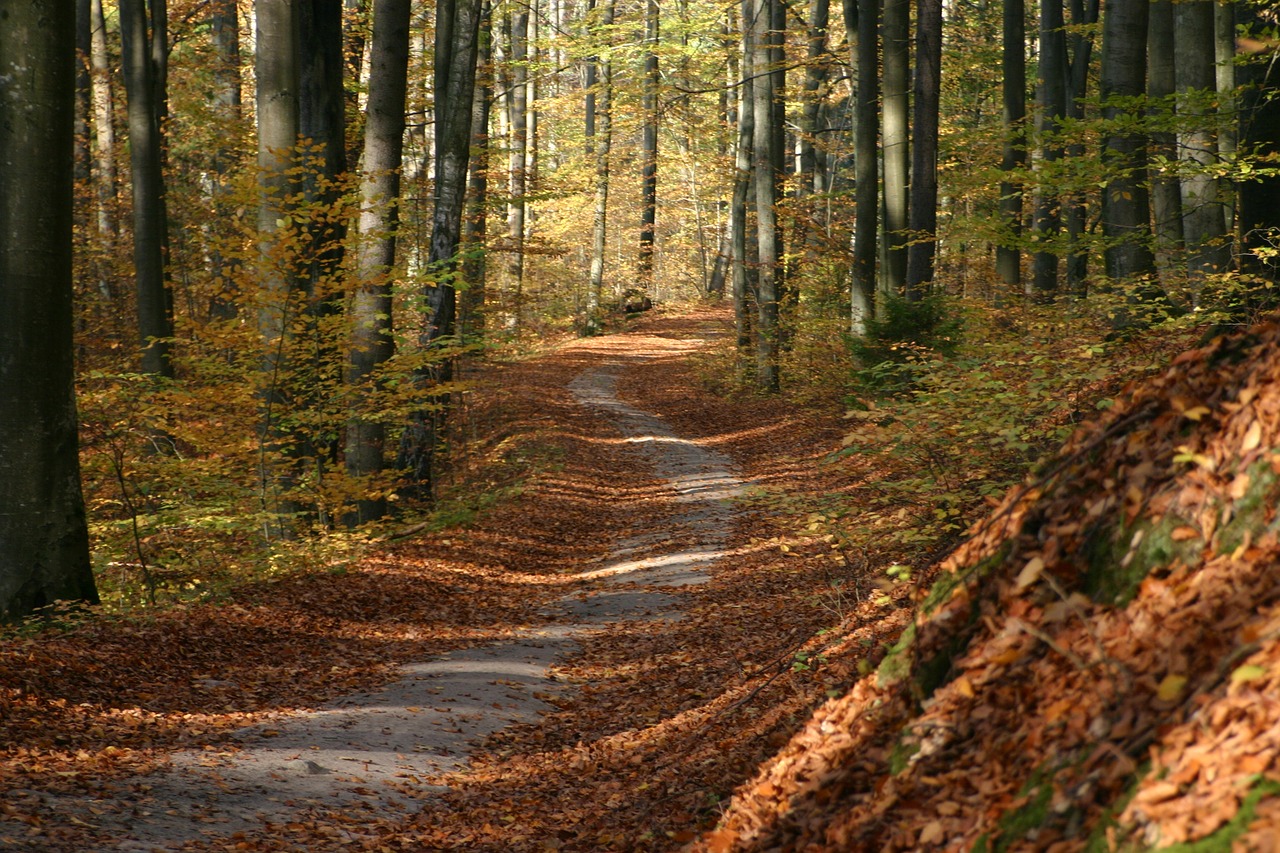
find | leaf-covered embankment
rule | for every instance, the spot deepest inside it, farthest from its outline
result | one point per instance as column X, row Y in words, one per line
column 1097, row 666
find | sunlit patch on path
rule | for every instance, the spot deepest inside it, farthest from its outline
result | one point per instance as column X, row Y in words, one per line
column 370, row 756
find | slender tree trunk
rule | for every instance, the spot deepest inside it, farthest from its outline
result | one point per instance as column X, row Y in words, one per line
column 765, row 158
column 1084, row 15
column 1052, row 87
column 1166, row 193
column 1125, row 205
column 1203, row 221
column 517, row 101
column 649, row 151
column 103, row 124
column 371, row 308
column 602, row 134
column 277, row 71
column 84, row 90
column 1014, row 156
column 150, row 220
column 225, row 37
column 817, row 70
column 456, row 51
column 744, row 284
column 1224, row 23
column 471, row 318
column 866, row 190
column 1256, row 206
column 44, row 543
column 896, row 33
column 924, row 149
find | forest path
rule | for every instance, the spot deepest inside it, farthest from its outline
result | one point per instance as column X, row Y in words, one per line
column 353, row 764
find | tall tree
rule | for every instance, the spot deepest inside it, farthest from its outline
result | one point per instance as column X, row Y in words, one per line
column 1203, row 222
column 866, row 135
column 649, row 149
column 224, row 34
column 1257, row 210
column 816, row 71
column 1013, row 65
column 1166, row 193
column 1051, row 87
column 143, row 41
column 765, row 157
column 1125, row 206
column 471, row 318
column 518, row 129
column 744, row 271
column 456, row 49
column 44, row 542
column 103, row 122
column 371, row 317
column 895, row 92
column 924, row 149
column 600, row 138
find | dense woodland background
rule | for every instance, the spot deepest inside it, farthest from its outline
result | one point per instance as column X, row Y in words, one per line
column 294, row 225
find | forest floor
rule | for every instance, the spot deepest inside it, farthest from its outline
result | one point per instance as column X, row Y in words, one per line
column 592, row 664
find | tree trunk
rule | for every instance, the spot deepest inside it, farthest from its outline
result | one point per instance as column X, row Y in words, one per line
column 1084, row 15
column 456, row 50
column 765, row 105
column 517, row 121
column 44, row 543
column 1014, row 156
column 471, row 318
column 84, row 90
column 1125, row 206
column 924, row 149
column 1203, row 222
column 1256, row 206
column 103, row 124
column 224, row 34
column 276, row 66
column 1052, row 89
column 150, row 219
column 743, row 272
column 649, row 151
column 371, row 308
column 602, row 134
column 896, row 33
column 817, row 70
column 1166, row 193
column 866, row 191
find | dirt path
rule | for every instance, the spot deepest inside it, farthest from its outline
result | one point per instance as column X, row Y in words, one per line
column 364, row 757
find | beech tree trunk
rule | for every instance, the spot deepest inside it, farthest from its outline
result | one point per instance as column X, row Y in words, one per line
column 456, row 50
column 471, row 317
column 44, row 542
column 1125, row 206
column 765, row 158
column 143, row 80
column 601, row 134
column 1203, row 221
column 371, row 308
column 649, row 151
column 224, row 26
column 103, row 124
column 743, row 272
column 924, row 149
column 1166, row 193
column 1014, row 155
column 1052, row 88
column 866, row 135
column 896, row 34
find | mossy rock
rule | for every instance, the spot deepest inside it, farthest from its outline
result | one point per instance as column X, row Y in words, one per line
column 1249, row 513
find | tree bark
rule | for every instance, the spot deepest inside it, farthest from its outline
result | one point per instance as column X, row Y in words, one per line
column 1014, row 154
column 44, row 542
column 371, row 307
column 1166, row 193
column 143, row 83
column 765, row 157
column 224, row 34
column 1052, row 88
column 456, row 51
column 602, row 136
column 649, row 151
column 896, row 35
column 1125, row 205
column 743, row 273
column 924, row 149
column 103, row 124
column 471, row 317
column 517, row 122
column 1203, row 222
column 866, row 135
